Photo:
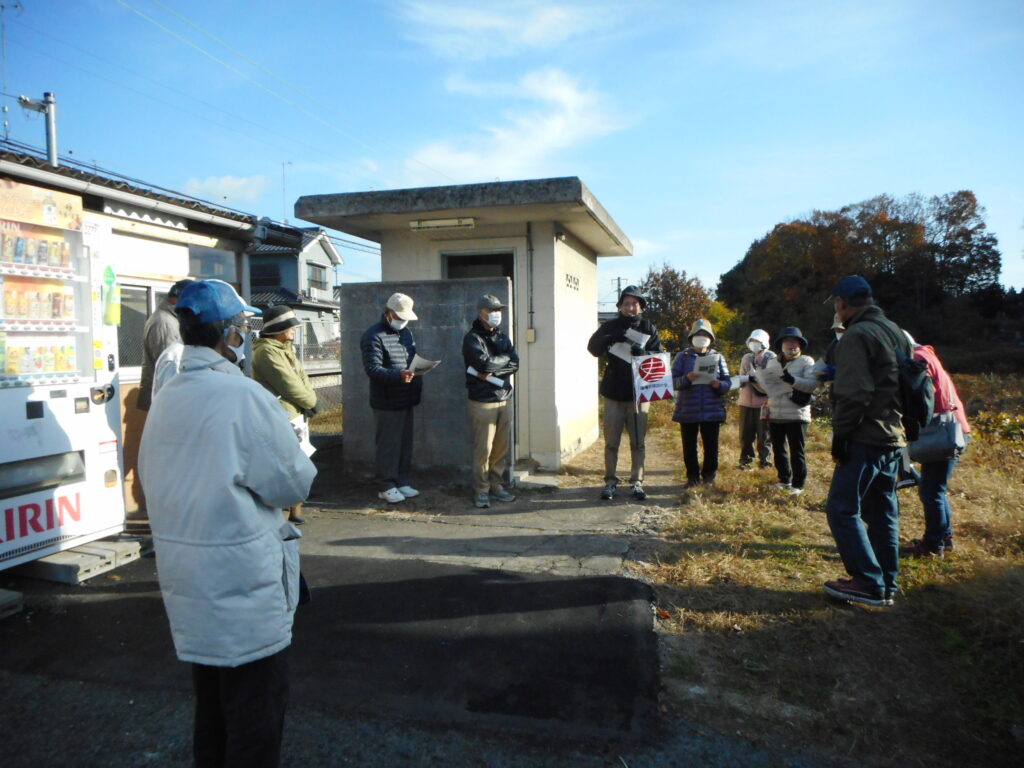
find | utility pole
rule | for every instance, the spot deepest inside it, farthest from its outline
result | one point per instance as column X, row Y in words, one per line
column 48, row 106
column 284, row 194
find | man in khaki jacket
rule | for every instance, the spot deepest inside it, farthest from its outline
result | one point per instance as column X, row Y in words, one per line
column 275, row 366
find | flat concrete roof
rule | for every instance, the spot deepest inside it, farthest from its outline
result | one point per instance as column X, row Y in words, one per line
column 566, row 201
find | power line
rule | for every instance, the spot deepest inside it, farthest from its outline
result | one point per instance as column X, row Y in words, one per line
column 260, row 85
column 163, row 86
column 291, row 86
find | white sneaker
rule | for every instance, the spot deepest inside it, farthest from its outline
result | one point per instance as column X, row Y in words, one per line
column 391, row 496
column 795, row 491
column 408, row 491
column 782, row 486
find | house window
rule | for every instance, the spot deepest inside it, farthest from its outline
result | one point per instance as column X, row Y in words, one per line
column 204, row 262
column 317, row 276
column 265, row 275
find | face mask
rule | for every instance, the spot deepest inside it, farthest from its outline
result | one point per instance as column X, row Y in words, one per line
column 239, row 351
column 494, row 319
column 397, row 324
column 755, row 346
column 701, row 342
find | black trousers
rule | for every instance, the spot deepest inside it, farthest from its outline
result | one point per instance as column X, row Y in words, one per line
column 240, row 713
column 754, row 429
column 708, row 431
column 393, row 433
column 793, row 434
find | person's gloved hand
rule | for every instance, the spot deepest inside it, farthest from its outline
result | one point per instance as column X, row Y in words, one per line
column 742, row 379
column 309, row 413
column 840, row 449
column 636, row 350
column 788, row 377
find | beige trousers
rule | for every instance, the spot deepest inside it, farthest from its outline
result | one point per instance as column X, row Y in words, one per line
column 492, row 428
column 619, row 415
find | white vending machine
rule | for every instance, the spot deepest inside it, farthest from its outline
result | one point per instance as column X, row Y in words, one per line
column 60, row 440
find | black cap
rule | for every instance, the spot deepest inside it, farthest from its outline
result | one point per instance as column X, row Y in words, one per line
column 793, row 332
column 278, row 320
column 176, row 289
column 632, row 290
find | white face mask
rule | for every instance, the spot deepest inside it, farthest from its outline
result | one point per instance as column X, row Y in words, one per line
column 701, row 342
column 494, row 319
column 755, row 346
column 239, row 351
column 397, row 323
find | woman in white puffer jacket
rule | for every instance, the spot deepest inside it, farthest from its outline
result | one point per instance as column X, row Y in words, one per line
column 788, row 380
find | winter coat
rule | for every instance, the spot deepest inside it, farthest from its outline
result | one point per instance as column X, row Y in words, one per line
column 867, row 407
column 867, row 388
column 698, row 402
column 617, row 383
column 218, row 462
column 167, row 366
column 386, row 353
column 160, row 331
column 275, row 366
column 780, row 407
column 750, row 397
column 488, row 350
column 947, row 400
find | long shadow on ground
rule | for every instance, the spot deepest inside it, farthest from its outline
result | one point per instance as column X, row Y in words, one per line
column 420, row 640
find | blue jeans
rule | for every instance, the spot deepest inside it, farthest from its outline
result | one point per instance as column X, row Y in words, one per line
column 864, row 515
column 932, row 490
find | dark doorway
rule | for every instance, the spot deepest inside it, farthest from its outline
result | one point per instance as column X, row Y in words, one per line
column 479, row 265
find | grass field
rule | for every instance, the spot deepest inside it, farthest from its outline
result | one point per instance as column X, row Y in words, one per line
column 752, row 645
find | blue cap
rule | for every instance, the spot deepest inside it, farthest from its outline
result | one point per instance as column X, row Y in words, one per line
column 850, row 286
column 213, row 300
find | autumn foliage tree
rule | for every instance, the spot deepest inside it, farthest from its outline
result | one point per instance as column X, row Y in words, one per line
column 674, row 301
column 929, row 261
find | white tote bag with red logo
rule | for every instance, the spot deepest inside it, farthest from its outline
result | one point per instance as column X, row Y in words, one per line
column 652, row 378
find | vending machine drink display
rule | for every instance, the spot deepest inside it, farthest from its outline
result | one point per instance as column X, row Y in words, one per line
column 60, row 456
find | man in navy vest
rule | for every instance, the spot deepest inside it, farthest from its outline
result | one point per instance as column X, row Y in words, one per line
column 388, row 348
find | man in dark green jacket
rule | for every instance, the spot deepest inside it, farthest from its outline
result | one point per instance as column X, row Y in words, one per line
column 867, row 440
column 275, row 366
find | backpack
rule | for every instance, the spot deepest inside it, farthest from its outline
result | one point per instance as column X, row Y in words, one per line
column 916, row 390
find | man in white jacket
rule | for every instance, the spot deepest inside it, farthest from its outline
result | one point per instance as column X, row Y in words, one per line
column 218, row 461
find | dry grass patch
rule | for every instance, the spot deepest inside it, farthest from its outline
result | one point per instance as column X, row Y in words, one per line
column 752, row 643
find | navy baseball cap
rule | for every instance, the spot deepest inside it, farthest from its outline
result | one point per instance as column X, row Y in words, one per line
column 213, row 300
column 848, row 287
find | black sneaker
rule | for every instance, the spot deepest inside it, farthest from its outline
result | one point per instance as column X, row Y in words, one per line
column 638, row 491
column 853, row 591
column 608, row 492
column 917, row 548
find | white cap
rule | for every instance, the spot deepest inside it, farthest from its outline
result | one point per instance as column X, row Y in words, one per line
column 401, row 305
column 759, row 335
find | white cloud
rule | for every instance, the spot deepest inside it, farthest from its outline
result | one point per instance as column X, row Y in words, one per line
column 238, row 190
column 462, row 31
column 526, row 140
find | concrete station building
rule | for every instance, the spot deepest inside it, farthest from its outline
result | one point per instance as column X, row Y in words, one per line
column 536, row 242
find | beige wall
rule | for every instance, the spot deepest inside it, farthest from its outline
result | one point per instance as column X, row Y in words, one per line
column 556, row 401
column 575, row 298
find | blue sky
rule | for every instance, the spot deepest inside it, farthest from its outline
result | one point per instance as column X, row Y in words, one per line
column 698, row 125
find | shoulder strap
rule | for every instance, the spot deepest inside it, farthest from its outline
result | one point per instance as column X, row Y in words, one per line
column 897, row 347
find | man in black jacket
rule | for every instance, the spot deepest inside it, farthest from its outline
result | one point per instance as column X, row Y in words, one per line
column 490, row 361
column 388, row 349
column 620, row 408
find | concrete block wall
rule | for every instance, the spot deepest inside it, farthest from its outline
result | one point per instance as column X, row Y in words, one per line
column 446, row 309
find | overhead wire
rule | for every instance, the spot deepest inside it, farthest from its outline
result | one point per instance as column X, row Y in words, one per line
column 256, row 82
column 291, row 86
column 163, row 86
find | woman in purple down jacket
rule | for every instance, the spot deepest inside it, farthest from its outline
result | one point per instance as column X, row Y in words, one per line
column 700, row 409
